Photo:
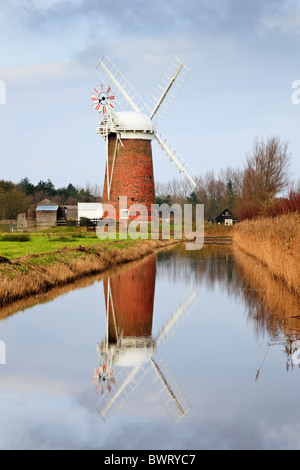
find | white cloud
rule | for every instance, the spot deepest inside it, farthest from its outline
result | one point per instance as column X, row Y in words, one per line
column 287, row 22
column 44, row 421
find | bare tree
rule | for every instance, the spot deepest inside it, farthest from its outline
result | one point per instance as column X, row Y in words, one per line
column 233, row 179
column 269, row 164
column 94, row 189
column 212, row 192
column 266, row 175
column 175, row 191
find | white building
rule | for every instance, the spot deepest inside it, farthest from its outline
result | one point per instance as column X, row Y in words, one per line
column 90, row 210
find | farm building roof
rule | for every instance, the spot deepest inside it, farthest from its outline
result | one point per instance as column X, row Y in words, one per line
column 47, row 207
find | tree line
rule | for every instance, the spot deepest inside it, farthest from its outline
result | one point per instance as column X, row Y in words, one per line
column 17, row 197
column 262, row 187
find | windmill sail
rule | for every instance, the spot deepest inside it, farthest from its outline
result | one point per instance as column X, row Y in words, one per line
column 127, row 95
column 126, row 382
column 160, row 100
column 169, row 391
column 168, row 87
column 175, row 318
column 190, row 177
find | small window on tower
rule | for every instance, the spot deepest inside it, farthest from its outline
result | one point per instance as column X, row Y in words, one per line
column 132, row 198
column 124, row 214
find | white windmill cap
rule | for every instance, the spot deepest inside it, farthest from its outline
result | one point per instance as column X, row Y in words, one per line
column 133, row 121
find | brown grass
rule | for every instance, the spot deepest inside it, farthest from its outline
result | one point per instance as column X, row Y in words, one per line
column 271, row 304
column 36, row 274
column 81, row 282
column 215, row 230
column 276, row 243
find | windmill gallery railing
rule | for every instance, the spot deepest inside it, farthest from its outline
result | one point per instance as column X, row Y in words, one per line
column 111, row 124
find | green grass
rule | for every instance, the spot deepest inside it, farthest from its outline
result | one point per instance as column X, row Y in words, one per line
column 42, row 242
column 14, row 246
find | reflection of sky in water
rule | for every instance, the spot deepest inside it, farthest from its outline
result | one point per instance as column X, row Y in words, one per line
column 47, row 399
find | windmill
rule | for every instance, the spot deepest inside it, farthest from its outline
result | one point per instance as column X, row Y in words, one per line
column 128, row 134
column 126, row 355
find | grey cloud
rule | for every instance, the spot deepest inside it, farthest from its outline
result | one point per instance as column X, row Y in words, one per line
column 139, row 17
column 53, row 30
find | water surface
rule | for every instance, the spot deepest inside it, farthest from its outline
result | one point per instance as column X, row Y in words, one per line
column 184, row 350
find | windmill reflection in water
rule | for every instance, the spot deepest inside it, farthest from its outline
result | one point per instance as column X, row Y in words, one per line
column 126, row 355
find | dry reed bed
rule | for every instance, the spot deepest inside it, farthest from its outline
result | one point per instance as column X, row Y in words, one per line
column 271, row 304
column 35, row 274
column 276, row 243
column 85, row 281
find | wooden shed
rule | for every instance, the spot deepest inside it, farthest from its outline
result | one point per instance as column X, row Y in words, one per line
column 72, row 212
column 45, row 214
column 49, row 213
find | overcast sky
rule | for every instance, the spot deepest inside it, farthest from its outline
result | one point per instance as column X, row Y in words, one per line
column 243, row 56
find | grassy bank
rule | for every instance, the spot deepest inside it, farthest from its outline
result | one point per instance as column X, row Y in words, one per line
column 16, row 245
column 55, row 259
column 34, row 263
column 276, row 243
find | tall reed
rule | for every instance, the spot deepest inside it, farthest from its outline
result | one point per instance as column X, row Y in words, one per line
column 276, row 243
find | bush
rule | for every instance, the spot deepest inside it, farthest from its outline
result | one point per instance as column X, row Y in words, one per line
column 285, row 205
column 15, row 237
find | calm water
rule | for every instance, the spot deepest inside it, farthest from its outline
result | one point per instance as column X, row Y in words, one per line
column 185, row 350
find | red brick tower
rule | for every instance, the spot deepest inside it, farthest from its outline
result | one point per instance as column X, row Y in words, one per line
column 129, row 166
column 129, row 299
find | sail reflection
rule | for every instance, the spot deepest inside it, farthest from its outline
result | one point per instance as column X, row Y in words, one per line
column 126, row 355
